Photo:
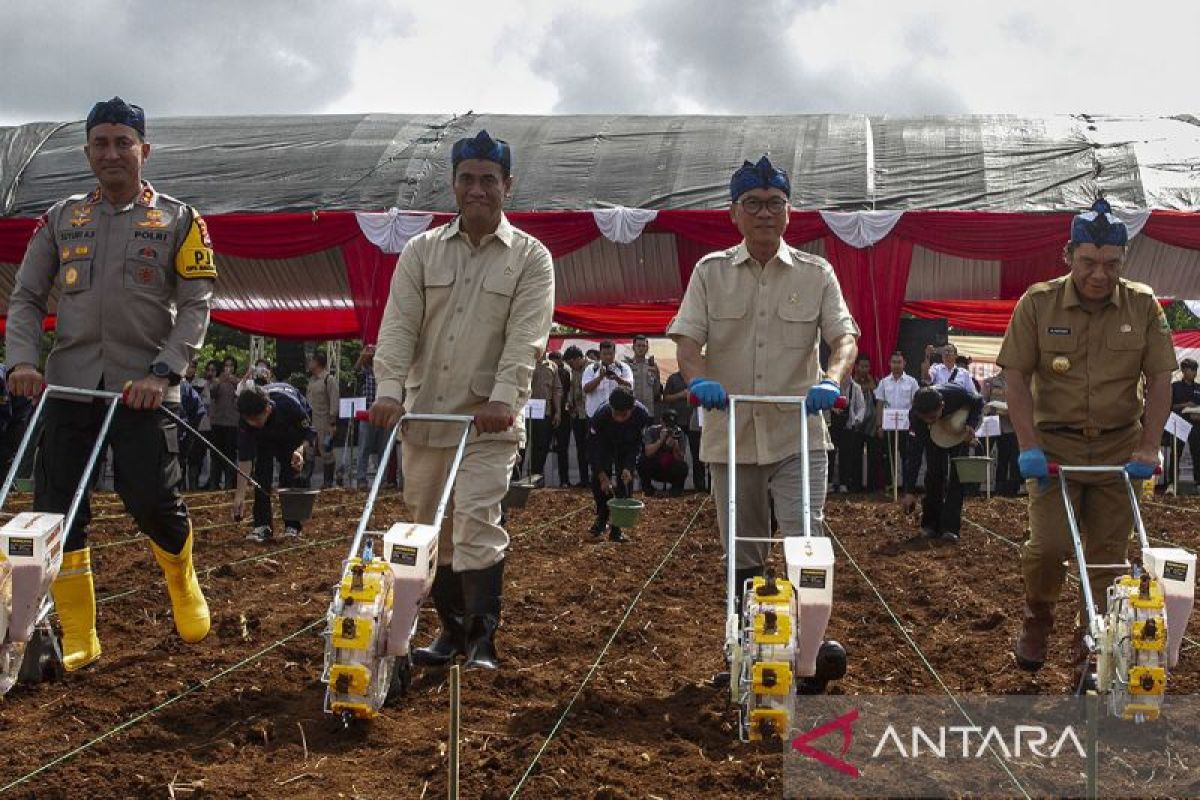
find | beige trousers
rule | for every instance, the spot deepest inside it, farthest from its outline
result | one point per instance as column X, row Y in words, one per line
column 471, row 536
column 782, row 481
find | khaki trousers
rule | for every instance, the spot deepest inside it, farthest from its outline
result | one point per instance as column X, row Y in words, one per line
column 321, row 456
column 1102, row 511
column 471, row 536
column 757, row 486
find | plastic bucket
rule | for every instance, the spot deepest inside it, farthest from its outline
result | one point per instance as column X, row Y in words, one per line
column 23, row 484
column 623, row 512
column 518, row 492
column 296, row 505
column 972, row 469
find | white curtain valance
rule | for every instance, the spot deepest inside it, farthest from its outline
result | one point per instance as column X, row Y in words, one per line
column 623, row 225
column 390, row 230
column 861, row 228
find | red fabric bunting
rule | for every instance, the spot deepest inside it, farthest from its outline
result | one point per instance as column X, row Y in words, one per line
column 562, row 232
column 648, row 318
column 984, row 234
column 1178, row 228
column 279, row 236
column 15, row 234
column 979, row 316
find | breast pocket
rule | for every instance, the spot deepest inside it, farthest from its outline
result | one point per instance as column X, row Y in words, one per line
column 496, row 297
column 146, row 267
column 75, row 276
column 1125, row 349
column 796, row 325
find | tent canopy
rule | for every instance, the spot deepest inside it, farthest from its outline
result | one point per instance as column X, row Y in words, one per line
column 838, row 162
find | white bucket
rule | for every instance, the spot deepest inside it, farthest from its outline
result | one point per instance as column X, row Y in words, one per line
column 810, row 570
column 1175, row 570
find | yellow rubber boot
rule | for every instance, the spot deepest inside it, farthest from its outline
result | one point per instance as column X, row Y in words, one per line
column 187, row 600
column 75, row 600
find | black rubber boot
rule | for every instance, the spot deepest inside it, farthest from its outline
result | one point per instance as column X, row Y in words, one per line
column 447, row 596
column 330, row 470
column 481, row 594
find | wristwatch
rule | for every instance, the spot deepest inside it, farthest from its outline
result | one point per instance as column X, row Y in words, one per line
column 160, row 370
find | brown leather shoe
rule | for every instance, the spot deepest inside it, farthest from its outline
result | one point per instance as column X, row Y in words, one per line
column 1030, row 647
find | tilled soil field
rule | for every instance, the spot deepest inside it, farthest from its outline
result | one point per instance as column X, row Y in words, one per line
column 608, row 649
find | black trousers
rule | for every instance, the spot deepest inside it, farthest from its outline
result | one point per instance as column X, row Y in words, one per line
column 225, row 439
column 699, row 471
column 1008, row 473
column 850, row 461
column 269, row 454
column 145, row 452
column 191, row 459
column 580, row 428
column 540, row 431
column 941, row 509
column 620, row 489
column 562, row 450
column 10, row 442
column 649, row 469
column 1192, row 444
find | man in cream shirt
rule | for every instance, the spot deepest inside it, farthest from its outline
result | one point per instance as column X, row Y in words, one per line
column 467, row 317
column 760, row 308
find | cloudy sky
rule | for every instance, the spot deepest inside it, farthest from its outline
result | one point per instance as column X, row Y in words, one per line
column 598, row 56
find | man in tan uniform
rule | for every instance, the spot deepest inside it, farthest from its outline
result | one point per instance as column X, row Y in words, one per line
column 467, row 318
column 135, row 274
column 761, row 308
column 1074, row 358
column 323, row 397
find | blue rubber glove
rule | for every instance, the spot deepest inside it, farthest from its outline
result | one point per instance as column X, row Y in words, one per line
column 710, row 393
column 1032, row 463
column 822, row 396
column 1140, row 471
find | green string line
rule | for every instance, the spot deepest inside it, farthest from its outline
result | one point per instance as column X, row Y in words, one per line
column 1070, row 576
column 204, row 684
column 921, row 656
column 603, row 651
column 208, row 681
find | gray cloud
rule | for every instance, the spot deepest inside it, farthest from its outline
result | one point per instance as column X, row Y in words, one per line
column 175, row 57
column 671, row 55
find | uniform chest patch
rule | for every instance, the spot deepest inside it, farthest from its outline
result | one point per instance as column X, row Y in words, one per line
column 1058, row 330
column 148, row 252
column 144, row 276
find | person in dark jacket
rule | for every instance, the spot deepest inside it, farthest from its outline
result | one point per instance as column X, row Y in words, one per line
column 276, row 425
column 614, row 444
column 942, row 421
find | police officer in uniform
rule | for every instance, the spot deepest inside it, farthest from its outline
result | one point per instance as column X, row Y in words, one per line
column 467, row 317
column 1088, row 360
column 135, row 273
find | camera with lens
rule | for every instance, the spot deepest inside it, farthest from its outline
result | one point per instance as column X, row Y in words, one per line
column 670, row 421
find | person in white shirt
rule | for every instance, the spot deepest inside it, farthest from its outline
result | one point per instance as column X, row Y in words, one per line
column 948, row 372
column 601, row 377
column 895, row 392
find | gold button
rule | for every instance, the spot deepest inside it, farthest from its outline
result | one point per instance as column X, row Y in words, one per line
column 1060, row 364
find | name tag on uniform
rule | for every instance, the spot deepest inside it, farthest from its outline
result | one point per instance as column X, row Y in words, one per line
column 1053, row 331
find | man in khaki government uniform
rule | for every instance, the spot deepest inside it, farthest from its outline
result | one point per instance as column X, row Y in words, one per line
column 135, row 274
column 546, row 386
column 467, row 318
column 1074, row 355
column 323, row 397
column 760, row 308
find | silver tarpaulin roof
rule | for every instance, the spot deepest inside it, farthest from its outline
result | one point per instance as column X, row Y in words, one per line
column 838, row 162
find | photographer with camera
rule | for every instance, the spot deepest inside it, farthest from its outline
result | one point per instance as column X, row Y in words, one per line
column 601, row 377
column 663, row 455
